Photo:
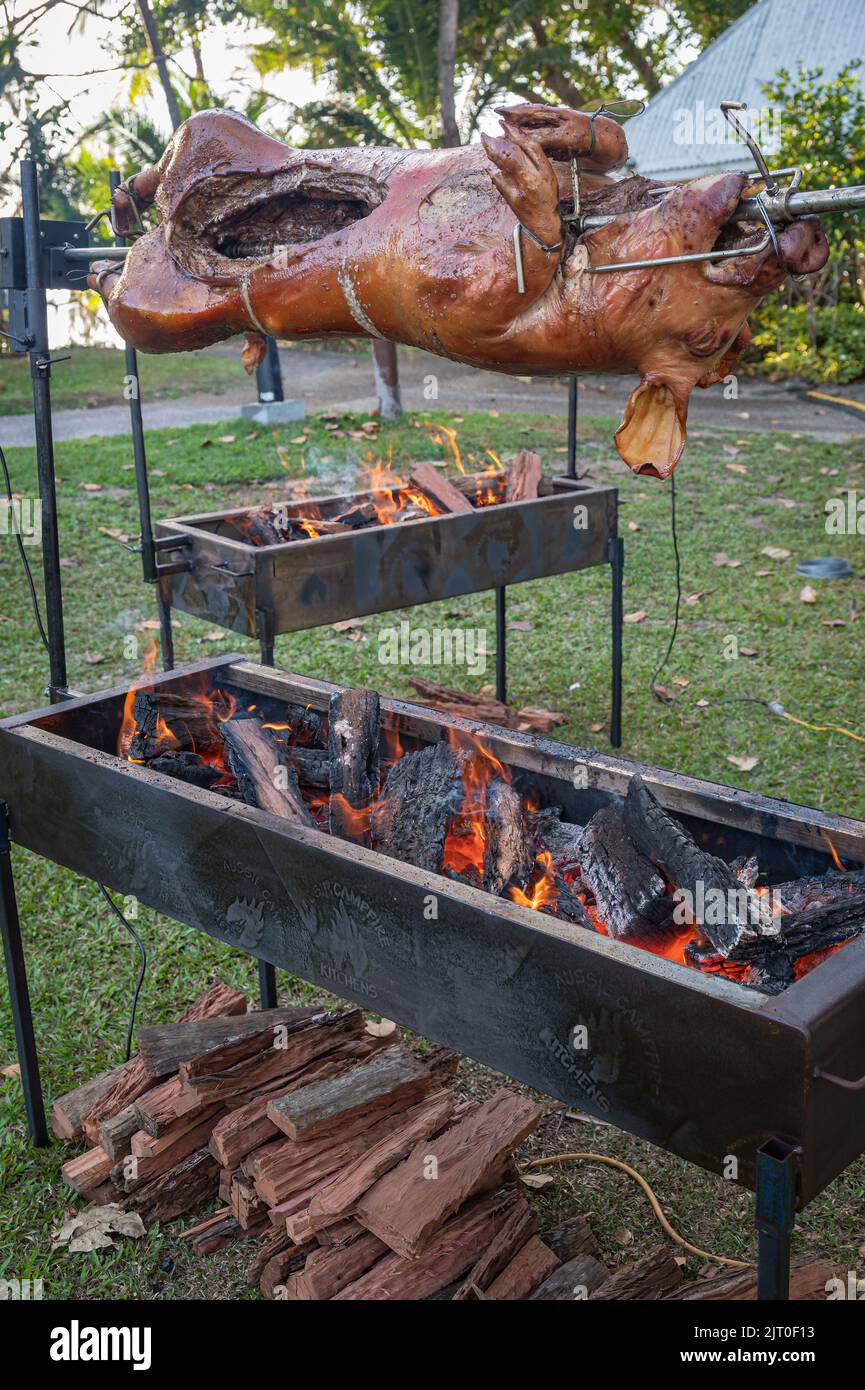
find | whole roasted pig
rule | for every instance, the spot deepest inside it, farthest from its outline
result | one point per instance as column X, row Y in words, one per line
column 463, row 252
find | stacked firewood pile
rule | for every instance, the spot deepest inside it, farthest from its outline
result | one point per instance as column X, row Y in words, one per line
column 426, row 492
column 348, row 1161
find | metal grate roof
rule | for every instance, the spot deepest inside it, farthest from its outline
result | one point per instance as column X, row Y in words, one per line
column 682, row 134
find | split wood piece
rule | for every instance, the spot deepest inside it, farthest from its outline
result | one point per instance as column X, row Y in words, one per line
column 169, row 721
column 283, row 1169
column 429, row 480
column 226, row 1177
column 802, row 893
column 278, row 1271
column 577, row 1279
column 164, row 1047
column 520, row 1226
column 273, row 1242
column 422, row 794
column 571, row 1238
column 246, row 1205
column 419, row 1123
column 297, row 1205
column 405, row 1209
column 646, row 1280
column 132, row 1080
column 353, row 744
column 667, row 843
column 133, row 1171
column 453, row 1250
column 340, row 1233
column 442, row 1063
column 327, row 1271
column 262, row 771
column 361, row 514
column 217, row 1236
column 68, row 1111
column 534, row 1263
column 632, row 897
column 523, row 476
column 115, row 1134
column 219, row 1077
column 508, row 847
column 318, row 525
column 194, row 1180
column 529, row 719
column 144, row 1145
column 159, row 1109
column 810, row 1282
column 88, row 1171
column 347, row 1104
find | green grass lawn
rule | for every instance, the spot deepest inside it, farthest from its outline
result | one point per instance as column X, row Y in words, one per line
column 736, row 497
column 94, row 376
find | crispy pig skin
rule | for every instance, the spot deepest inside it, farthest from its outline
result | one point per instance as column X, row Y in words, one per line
column 417, row 246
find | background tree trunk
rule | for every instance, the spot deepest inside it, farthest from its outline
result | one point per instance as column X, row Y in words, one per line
column 387, row 379
column 155, row 45
column 449, row 15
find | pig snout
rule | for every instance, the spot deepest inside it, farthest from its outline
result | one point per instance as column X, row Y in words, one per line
column 804, row 247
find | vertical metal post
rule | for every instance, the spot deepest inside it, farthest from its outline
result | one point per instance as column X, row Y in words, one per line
column 166, row 635
column 264, row 629
column 777, row 1164
column 267, row 984
column 617, row 622
column 40, row 375
column 501, row 647
column 572, row 427
column 268, row 374
column 16, row 973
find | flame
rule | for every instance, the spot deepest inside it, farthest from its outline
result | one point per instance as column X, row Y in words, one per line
column 465, row 842
column 834, row 853
column 541, row 891
column 127, row 725
column 442, row 434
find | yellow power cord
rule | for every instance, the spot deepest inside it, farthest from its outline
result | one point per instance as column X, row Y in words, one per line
column 823, row 728
column 655, row 1204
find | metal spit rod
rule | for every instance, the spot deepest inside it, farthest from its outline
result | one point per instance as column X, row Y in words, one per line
column 779, row 207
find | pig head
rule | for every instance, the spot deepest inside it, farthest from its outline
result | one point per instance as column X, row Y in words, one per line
column 419, row 247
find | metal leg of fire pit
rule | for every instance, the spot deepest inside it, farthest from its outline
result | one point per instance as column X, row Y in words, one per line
column 264, row 627
column 166, row 635
column 267, row 984
column 777, row 1164
column 501, row 647
column 19, row 996
column 617, row 565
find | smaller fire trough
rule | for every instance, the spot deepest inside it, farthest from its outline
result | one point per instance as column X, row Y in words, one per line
column 399, row 542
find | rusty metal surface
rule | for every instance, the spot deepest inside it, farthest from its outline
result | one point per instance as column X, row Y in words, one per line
column 377, row 569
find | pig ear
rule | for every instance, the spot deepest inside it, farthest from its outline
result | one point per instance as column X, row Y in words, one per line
column 651, row 437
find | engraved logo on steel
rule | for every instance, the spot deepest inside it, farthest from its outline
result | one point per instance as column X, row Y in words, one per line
column 244, row 922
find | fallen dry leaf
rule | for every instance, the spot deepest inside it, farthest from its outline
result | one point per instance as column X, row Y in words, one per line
column 681, row 680
column 623, row 1236
column 346, row 623
column 743, row 763
column 596, row 728
column 637, row 617
column 691, row 599
column 833, row 622
column 91, row 487
column 225, row 438
column 382, row 1029
column 776, row 552
column 113, row 533
column 149, row 625
column 808, row 595
column 93, row 1229
column 737, row 468
column 723, row 561
column 633, row 526
column 702, row 704
column 12, row 1070
column 93, row 658
column 215, row 636
column 782, row 449
column 536, row 1180
column 747, row 651
column 665, row 693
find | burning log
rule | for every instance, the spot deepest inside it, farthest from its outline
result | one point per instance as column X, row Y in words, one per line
column 261, row 528
column 814, row 929
column 523, row 476
column 442, row 491
column 802, row 893
column 353, row 745
column 310, row 765
column 170, row 722
column 508, row 848
column 422, row 793
column 632, row 898
column 739, row 914
column 262, row 772
column 188, row 767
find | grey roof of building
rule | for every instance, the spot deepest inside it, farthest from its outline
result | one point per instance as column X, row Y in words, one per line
column 677, row 136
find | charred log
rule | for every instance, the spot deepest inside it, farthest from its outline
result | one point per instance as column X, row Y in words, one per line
column 262, row 772
column 353, row 745
column 169, row 722
column 508, row 848
column 422, row 794
column 439, row 488
column 631, row 895
column 187, row 767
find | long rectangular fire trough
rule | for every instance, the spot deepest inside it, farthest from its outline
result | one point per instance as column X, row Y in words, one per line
column 264, row 589
column 693, row 1062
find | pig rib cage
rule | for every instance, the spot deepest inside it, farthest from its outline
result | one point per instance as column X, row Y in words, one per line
column 692, row 1062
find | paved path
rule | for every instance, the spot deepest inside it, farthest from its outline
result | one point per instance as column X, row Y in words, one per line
column 343, row 381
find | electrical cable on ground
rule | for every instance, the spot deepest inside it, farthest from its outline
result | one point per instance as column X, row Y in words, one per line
column 672, row 642
column 140, row 981
column 641, row 1182
column 22, row 552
